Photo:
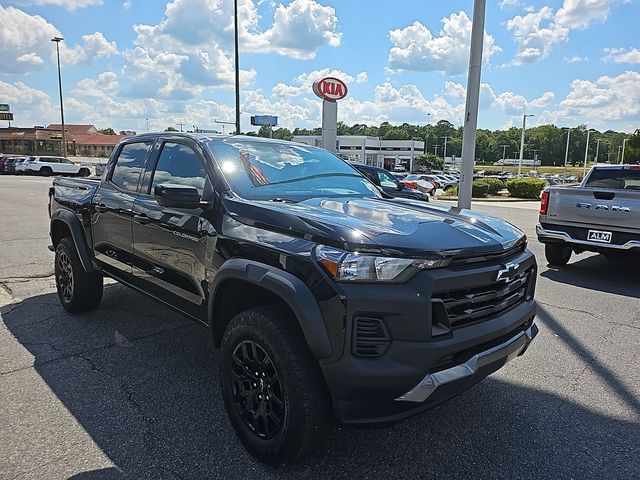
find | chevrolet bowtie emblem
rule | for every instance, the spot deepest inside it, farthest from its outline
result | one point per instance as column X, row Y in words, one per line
column 508, row 272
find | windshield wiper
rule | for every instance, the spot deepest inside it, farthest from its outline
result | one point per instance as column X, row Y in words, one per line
column 319, row 175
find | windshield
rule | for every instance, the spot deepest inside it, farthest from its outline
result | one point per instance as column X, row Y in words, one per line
column 286, row 171
column 614, row 178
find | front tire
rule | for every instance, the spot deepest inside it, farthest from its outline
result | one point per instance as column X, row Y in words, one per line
column 557, row 254
column 78, row 290
column 272, row 387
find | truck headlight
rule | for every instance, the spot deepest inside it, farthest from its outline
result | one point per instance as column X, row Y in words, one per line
column 357, row 267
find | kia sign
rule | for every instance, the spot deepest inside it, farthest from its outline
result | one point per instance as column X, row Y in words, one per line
column 330, row 88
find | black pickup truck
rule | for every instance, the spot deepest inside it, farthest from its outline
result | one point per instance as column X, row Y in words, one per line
column 330, row 301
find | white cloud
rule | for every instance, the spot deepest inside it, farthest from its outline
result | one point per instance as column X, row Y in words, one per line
column 29, row 105
column 127, row 4
column 534, row 40
column 416, row 48
column 93, row 47
column 25, row 42
column 575, row 59
column 510, row 3
column 105, row 84
column 68, row 4
column 622, row 55
column 581, row 13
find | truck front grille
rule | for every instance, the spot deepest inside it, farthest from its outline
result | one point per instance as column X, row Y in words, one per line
column 456, row 308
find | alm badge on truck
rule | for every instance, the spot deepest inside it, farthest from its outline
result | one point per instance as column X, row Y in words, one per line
column 599, row 236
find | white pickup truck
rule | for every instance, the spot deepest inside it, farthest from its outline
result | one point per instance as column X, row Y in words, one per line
column 601, row 215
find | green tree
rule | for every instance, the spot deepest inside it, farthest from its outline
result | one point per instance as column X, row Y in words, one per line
column 430, row 161
column 108, row 131
column 170, row 129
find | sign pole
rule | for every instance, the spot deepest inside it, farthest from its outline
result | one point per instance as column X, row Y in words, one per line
column 471, row 109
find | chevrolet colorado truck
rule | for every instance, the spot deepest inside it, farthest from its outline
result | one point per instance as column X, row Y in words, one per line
column 330, row 301
column 601, row 215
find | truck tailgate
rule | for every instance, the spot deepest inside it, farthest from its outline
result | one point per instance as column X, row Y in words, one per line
column 616, row 209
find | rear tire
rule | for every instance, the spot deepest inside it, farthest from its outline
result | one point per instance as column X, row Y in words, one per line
column 78, row 290
column 272, row 387
column 84, row 172
column 557, row 254
column 46, row 171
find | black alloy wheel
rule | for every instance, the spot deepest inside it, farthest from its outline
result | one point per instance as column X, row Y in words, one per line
column 64, row 276
column 257, row 389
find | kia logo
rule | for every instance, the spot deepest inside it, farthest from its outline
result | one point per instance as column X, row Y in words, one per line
column 330, row 88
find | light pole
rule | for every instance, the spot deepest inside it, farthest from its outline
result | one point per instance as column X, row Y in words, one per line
column 57, row 40
column 597, row 150
column 147, row 120
column 524, row 126
column 566, row 155
column 608, row 154
column 223, row 124
column 623, row 144
column 444, row 154
column 504, row 153
column 435, row 149
column 180, row 125
column 586, row 154
column 237, row 65
column 471, row 106
column 618, row 157
column 426, row 139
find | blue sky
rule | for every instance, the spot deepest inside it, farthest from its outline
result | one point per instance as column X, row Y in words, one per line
column 569, row 62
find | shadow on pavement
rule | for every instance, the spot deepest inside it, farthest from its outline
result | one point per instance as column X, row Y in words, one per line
column 617, row 275
column 142, row 382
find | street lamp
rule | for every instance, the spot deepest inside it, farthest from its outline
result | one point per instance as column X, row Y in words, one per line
column 57, row 41
column 586, row 153
column 623, row 144
column 426, row 138
column 524, row 126
column 237, row 65
column 504, row 152
column 597, row 150
column 566, row 155
column 444, row 154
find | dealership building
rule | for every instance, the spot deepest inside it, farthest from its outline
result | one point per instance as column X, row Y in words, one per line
column 372, row 150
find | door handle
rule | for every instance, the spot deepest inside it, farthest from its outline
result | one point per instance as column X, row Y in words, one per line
column 142, row 218
column 101, row 208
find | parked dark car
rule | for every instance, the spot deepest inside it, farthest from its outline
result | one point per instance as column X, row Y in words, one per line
column 329, row 300
column 10, row 165
column 388, row 183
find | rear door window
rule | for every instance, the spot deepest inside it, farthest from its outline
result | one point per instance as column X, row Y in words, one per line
column 129, row 165
column 613, row 178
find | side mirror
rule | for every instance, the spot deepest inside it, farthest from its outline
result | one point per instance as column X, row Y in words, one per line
column 177, row 196
column 399, row 187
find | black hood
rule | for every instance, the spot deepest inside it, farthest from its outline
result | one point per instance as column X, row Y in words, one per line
column 391, row 227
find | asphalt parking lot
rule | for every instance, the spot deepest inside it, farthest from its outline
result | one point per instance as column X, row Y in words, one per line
column 131, row 390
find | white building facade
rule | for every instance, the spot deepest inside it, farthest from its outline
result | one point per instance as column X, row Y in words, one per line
column 372, row 150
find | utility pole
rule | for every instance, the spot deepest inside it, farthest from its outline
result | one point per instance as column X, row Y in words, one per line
column 504, row 152
column 237, row 65
column 57, row 40
column 586, row 154
column 597, row 150
column 524, row 126
column 471, row 107
column 444, row 154
column 623, row 144
column 566, row 154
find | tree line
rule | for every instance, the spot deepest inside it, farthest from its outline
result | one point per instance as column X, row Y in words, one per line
column 547, row 141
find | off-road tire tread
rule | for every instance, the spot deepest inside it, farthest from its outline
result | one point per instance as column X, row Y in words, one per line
column 87, row 287
column 308, row 398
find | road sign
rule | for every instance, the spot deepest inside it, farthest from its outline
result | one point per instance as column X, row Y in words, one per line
column 4, row 107
column 268, row 120
column 6, row 116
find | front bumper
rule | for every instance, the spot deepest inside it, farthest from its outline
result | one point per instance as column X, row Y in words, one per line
column 502, row 353
column 577, row 235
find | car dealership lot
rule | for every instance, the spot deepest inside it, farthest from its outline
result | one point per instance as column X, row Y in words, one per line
column 131, row 390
